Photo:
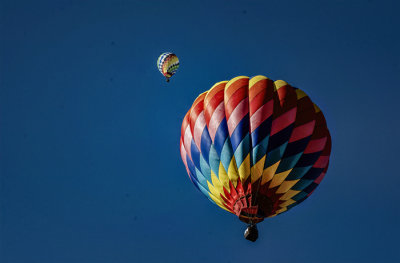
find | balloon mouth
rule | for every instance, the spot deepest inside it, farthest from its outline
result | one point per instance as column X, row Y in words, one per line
column 252, row 208
column 251, row 219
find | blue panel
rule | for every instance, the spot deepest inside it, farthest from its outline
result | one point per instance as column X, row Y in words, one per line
column 220, row 136
column 296, row 147
column 260, row 150
column 195, row 154
column 308, row 159
column 201, row 178
column 205, row 191
column 299, row 196
column 205, row 169
column 214, row 161
column 205, row 144
column 280, row 138
column 313, row 173
column 226, row 154
column 242, row 150
column 274, row 156
column 301, row 185
column 192, row 171
column 298, row 172
column 196, row 174
column 288, row 163
column 241, row 130
column 191, row 167
column 261, row 132
column 311, row 188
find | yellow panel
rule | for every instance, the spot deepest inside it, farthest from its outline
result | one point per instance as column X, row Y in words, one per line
column 214, row 195
column 279, row 178
column 233, row 173
column 280, row 83
column 300, row 94
column 317, row 109
column 285, row 186
column 244, row 169
column 200, row 97
column 223, row 176
column 281, row 211
column 289, row 194
column 216, row 84
column 217, row 184
column 257, row 169
column 256, row 79
column 287, row 203
column 172, row 61
column 268, row 173
column 233, row 80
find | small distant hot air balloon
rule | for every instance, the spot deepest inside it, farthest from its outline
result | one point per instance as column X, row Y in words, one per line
column 168, row 64
column 255, row 147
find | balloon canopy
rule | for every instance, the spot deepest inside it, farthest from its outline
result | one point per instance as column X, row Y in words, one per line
column 255, row 147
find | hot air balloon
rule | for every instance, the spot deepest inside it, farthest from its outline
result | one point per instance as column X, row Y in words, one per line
column 255, row 147
column 168, row 64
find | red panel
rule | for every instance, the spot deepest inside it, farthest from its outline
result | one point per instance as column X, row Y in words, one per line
column 302, row 131
column 283, row 121
column 316, row 145
column 234, row 100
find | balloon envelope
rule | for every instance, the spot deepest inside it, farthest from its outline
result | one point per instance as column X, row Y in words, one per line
column 168, row 64
column 255, row 147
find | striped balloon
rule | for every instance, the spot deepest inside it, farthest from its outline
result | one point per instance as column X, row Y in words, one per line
column 168, row 64
column 255, row 147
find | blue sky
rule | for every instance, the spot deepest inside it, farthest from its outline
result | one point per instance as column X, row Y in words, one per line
column 90, row 169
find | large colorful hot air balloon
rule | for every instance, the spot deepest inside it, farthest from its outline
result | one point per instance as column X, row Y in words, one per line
column 255, row 147
column 168, row 64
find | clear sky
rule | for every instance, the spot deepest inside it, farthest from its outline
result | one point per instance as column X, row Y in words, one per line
column 90, row 168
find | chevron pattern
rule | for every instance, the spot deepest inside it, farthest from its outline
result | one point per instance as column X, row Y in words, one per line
column 255, row 147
